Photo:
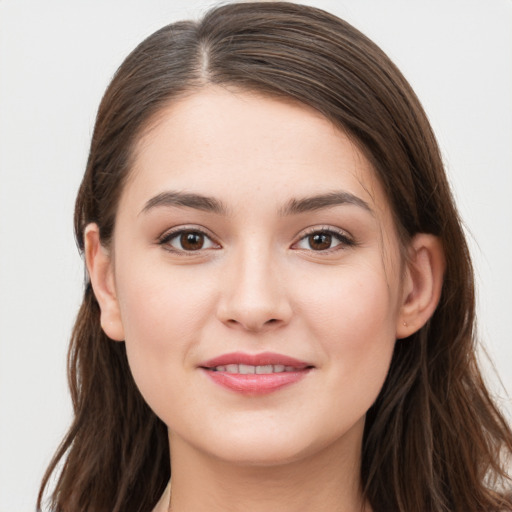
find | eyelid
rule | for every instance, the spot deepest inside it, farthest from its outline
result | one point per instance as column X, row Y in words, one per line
column 172, row 233
column 345, row 239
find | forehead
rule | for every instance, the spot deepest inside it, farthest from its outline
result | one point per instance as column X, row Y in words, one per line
column 242, row 147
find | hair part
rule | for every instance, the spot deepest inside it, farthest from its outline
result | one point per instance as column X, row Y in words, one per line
column 434, row 413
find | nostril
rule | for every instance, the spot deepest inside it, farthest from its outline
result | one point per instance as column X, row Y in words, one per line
column 252, row 326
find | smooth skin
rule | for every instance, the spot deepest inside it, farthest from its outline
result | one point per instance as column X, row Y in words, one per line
column 259, row 267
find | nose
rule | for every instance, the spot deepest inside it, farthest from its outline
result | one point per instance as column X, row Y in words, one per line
column 253, row 294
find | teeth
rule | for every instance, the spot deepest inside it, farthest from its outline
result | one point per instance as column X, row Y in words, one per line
column 264, row 369
column 247, row 369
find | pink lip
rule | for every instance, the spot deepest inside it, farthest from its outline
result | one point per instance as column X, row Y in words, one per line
column 255, row 384
column 261, row 359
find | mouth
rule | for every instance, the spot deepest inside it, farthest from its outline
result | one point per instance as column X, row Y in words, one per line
column 248, row 369
column 255, row 374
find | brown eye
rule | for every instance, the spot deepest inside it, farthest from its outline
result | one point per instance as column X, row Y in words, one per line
column 192, row 240
column 320, row 241
column 324, row 240
column 187, row 240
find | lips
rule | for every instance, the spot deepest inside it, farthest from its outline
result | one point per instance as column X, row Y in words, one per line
column 262, row 359
column 255, row 374
column 248, row 369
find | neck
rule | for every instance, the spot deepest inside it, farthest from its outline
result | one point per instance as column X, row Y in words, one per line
column 329, row 481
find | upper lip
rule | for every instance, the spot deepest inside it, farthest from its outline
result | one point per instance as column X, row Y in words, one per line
column 262, row 359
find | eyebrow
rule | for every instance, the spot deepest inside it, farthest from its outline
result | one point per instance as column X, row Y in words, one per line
column 319, row 202
column 186, row 199
column 293, row 207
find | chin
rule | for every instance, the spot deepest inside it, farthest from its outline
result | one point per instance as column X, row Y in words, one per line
column 256, row 455
column 261, row 448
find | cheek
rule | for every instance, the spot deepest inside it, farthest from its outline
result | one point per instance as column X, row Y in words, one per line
column 352, row 315
column 163, row 316
column 350, row 300
column 158, row 301
column 151, row 312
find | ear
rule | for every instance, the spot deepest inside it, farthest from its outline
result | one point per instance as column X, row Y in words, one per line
column 101, row 272
column 422, row 284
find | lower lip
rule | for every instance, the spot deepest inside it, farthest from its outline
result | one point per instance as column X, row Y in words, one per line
column 256, row 384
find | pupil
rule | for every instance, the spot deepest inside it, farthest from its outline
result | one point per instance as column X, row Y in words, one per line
column 192, row 241
column 320, row 241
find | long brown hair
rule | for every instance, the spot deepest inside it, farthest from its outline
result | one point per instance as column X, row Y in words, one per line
column 434, row 440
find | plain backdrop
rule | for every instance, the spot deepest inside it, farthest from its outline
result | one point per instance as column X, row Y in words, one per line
column 56, row 58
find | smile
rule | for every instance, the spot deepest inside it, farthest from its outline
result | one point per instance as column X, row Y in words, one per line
column 255, row 374
column 247, row 369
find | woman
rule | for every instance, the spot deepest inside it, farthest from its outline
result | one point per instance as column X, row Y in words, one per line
column 280, row 301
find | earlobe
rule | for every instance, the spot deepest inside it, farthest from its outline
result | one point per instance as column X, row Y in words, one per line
column 422, row 285
column 101, row 273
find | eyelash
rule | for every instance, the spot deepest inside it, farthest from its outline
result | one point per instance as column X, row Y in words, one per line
column 342, row 237
column 167, row 237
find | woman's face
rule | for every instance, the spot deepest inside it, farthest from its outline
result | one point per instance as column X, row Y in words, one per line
column 256, row 269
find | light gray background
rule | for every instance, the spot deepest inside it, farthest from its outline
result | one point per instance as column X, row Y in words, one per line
column 56, row 58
